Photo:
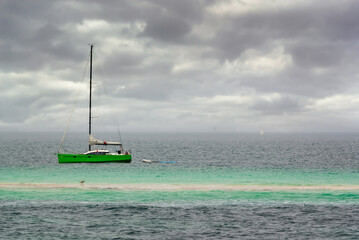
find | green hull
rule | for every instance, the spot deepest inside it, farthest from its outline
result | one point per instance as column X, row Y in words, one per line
column 82, row 158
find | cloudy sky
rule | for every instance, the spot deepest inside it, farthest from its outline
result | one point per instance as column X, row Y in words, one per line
column 189, row 65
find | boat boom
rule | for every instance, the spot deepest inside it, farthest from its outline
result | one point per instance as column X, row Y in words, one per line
column 93, row 141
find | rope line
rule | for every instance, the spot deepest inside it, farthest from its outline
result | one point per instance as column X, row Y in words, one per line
column 99, row 70
column 73, row 107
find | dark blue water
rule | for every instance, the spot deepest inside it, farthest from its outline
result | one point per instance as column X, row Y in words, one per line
column 272, row 160
column 52, row 220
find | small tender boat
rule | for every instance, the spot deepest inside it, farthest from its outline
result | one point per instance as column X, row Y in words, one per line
column 155, row 161
column 149, row 161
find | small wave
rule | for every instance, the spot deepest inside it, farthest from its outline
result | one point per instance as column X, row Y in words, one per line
column 180, row 187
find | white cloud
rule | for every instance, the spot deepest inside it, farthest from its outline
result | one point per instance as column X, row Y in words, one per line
column 254, row 62
column 235, row 7
column 93, row 25
column 336, row 103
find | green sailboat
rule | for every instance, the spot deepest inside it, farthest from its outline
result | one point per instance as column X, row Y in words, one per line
column 95, row 155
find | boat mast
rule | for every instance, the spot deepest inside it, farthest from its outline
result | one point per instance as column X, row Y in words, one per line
column 90, row 94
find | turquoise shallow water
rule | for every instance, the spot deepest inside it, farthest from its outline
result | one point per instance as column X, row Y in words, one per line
column 174, row 174
column 179, row 197
column 155, row 174
column 272, row 160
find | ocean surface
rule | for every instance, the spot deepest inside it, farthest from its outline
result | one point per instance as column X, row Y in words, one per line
column 215, row 186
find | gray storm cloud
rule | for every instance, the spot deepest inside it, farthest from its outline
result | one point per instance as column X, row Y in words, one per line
column 183, row 65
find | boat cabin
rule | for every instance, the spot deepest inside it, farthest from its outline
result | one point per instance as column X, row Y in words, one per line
column 97, row 152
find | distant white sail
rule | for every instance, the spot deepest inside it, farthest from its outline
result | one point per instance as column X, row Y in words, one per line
column 93, row 141
column 261, row 132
